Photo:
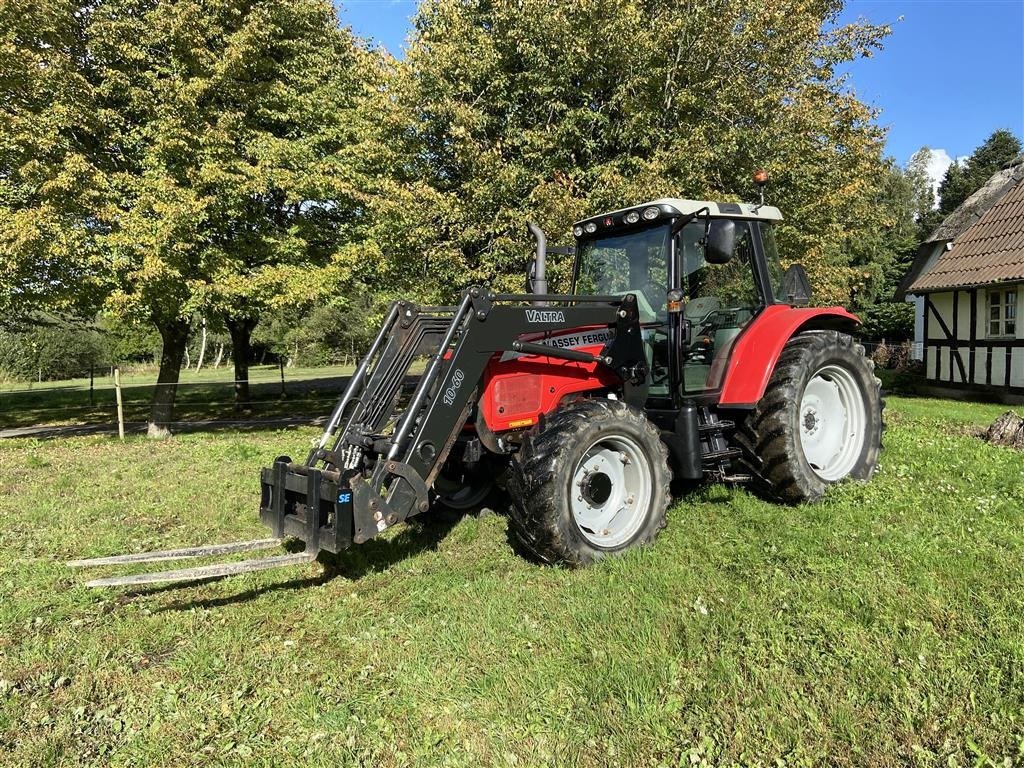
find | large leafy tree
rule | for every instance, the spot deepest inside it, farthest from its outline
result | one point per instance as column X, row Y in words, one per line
column 517, row 109
column 229, row 118
column 48, row 162
column 962, row 181
column 167, row 159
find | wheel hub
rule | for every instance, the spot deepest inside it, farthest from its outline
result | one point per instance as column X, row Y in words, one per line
column 597, row 488
column 810, row 421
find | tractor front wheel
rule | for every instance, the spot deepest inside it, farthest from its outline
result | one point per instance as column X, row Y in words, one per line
column 819, row 421
column 591, row 481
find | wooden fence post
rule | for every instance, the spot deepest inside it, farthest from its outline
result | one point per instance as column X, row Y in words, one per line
column 120, row 405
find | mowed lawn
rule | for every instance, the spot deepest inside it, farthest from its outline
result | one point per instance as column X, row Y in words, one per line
column 883, row 626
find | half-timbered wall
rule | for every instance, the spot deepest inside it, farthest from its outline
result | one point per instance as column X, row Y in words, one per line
column 959, row 348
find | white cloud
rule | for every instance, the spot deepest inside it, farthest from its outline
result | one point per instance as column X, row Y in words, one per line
column 939, row 161
column 936, row 168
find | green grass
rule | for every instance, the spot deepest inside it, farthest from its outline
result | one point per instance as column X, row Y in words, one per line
column 208, row 394
column 883, row 626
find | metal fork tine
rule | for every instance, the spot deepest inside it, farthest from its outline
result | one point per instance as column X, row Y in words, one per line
column 203, row 572
column 177, row 554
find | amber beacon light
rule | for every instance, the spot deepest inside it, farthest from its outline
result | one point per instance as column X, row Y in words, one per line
column 761, row 178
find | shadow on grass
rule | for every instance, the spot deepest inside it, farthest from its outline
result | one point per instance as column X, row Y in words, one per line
column 199, row 406
column 375, row 556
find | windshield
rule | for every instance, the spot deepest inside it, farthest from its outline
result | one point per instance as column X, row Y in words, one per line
column 631, row 262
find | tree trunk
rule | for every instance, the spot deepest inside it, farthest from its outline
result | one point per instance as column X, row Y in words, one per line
column 175, row 338
column 202, row 348
column 241, row 335
column 220, row 355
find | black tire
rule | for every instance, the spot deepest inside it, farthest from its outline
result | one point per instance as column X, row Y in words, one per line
column 770, row 436
column 542, row 521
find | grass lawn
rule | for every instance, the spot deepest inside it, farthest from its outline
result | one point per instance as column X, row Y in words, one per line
column 208, row 394
column 883, row 626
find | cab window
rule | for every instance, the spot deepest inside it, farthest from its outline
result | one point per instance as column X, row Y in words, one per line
column 630, row 262
column 720, row 300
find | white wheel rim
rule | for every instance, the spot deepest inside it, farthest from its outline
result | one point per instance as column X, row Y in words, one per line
column 611, row 491
column 833, row 421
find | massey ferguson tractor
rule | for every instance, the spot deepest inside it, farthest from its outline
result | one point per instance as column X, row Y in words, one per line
column 681, row 353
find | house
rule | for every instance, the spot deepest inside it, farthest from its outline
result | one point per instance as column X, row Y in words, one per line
column 954, row 225
column 968, row 280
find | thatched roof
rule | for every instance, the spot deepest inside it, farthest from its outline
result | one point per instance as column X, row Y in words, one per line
column 975, row 206
column 959, row 221
column 989, row 251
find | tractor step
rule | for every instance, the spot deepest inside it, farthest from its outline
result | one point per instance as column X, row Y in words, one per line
column 204, row 572
column 716, row 426
column 721, row 455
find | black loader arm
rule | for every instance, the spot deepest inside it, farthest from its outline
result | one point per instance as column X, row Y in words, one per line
column 380, row 452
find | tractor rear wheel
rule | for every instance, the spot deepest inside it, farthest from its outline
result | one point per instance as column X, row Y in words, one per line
column 590, row 481
column 819, row 421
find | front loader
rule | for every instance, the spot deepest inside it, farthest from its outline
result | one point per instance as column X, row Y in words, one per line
column 682, row 354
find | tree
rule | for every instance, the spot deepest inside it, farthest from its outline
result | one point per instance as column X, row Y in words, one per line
column 962, row 181
column 50, row 351
column 883, row 255
column 291, row 197
column 48, row 136
column 925, row 202
column 219, row 122
column 525, row 109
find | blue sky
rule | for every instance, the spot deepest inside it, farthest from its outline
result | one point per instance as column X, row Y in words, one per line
column 951, row 72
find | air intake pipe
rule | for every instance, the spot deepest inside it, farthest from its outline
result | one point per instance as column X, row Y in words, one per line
column 538, row 280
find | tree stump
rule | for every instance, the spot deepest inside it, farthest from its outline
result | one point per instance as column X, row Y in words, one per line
column 1007, row 430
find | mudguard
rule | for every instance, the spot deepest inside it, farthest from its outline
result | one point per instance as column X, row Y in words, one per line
column 757, row 349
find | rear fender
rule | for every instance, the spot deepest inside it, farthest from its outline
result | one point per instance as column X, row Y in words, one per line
column 757, row 349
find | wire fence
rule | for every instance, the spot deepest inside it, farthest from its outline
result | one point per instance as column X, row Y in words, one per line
column 95, row 381
column 93, row 398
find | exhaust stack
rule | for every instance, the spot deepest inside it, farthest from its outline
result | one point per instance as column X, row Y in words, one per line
column 539, row 282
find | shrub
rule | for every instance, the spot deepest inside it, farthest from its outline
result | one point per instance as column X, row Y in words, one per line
column 892, row 321
column 51, row 352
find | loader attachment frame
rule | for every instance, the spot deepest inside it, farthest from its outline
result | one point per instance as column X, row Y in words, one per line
column 375, row 463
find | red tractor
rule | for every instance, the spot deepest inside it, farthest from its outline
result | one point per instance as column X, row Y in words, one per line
column 681, row 352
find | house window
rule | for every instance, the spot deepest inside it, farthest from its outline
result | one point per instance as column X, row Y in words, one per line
column 1002, row 312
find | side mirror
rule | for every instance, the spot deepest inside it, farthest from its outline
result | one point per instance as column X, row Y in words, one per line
column 796, row 288
column 720, row 241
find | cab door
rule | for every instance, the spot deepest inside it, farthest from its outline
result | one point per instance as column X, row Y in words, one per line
column 720, row 300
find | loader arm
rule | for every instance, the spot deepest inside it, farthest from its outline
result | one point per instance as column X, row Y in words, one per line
column 379, row 454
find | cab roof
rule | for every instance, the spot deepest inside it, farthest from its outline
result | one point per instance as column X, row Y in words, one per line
column 674, row 206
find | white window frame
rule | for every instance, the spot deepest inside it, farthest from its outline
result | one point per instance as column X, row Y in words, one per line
column 1001, row 319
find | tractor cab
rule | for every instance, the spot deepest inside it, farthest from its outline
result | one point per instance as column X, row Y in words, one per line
column 701, row 271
